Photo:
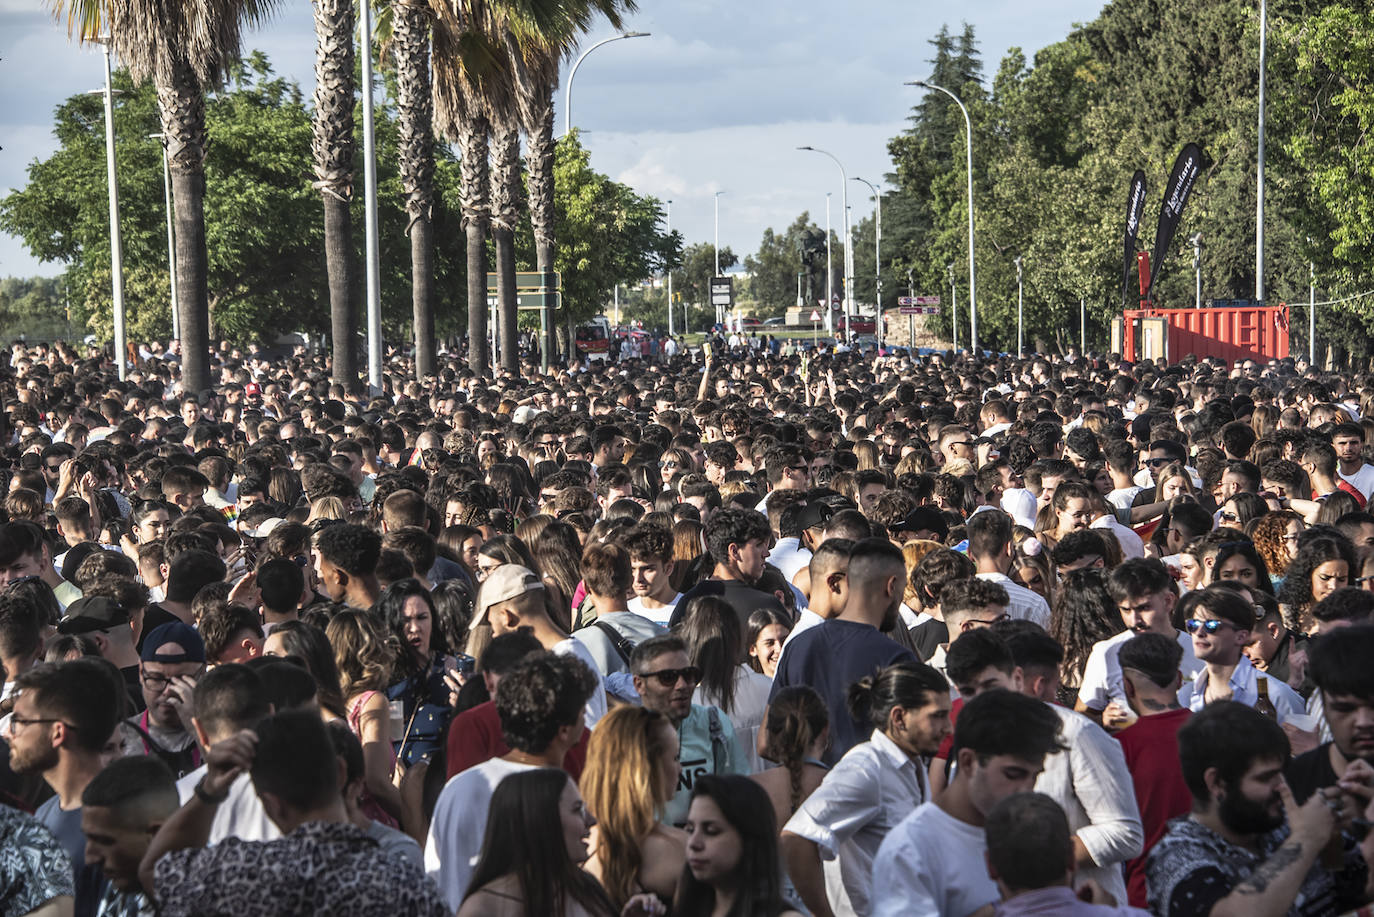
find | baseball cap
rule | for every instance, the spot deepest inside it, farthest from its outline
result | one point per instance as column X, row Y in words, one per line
column 923, row 518
column 506, row 582
column 190, row 648
column 814, row 515
column 72, row 561
column 252, row 389
column 92, row 613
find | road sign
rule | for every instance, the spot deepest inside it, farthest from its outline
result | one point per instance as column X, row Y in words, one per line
column 722, row 291
column 531, row 300
column 918, row 310
column 530, row 281
column 815, row 315
column 918, row 301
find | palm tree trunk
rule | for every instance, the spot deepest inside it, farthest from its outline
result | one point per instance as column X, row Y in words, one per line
column 473, row 133
column 181, row 103
column 539, row 164
column 415, row 109
column 505, row 193
column 333, row 147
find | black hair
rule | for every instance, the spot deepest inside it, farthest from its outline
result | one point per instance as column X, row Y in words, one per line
column 309, row 643
column 352, row 548
column 652, row 648
column 281, row 583
column 1346, row 604
column 1001, row 722
column 906, row 684
column 796, row 718
column 539, row 696
column 1077, row 545
column 141, row 782
column 710, row 628
column 747, row 809
column 229, row 698
column 1137, row 578
column 976, row 651
column 1246, row 549
column 1155, row 656
column 989, row 533
column 1228, row 736
column 734, row 525
column 86, row 695
column 295, row 760
column 390, row 608
column 1029, row 842
column 190, row 571
column 1031, row 646
column 504, row 652
column 286, row 682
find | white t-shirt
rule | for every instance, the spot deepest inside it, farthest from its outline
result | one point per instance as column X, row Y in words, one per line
column 596, row 705
column 459, row 825
column 657, row 615
column 1102, row 672
column 241, row 815
column 1362, row 480
column 931, row 865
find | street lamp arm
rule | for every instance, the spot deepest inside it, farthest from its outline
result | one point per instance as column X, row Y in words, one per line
column 567, row 95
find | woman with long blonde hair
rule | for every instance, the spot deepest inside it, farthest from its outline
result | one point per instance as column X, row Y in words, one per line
column 631, row 773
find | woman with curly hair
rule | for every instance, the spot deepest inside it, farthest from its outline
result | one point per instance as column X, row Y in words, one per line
column 632, row 771
column 1276, row 540
column 422, row 662
column 365, row 659
column 1084, row 615
column 1322, row 566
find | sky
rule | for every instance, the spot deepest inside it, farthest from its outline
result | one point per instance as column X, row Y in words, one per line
column 717, row 98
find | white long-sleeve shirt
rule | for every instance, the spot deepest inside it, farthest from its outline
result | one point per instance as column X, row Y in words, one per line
column 868, row 792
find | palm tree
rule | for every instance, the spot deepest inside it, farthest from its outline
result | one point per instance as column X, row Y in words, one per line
column 505, row 195
column 409, row 42
column 184, row 48
column 471, row 80
column 536, row 48
column 333, row 147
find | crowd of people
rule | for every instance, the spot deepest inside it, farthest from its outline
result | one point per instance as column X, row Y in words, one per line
column 729, row 633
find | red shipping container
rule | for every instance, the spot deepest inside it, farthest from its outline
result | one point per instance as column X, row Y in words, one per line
column 1230, row 333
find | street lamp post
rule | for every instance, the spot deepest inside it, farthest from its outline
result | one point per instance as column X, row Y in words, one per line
column 972, row 277
column 953, row 308
column 116, row 241
column 171, row 236
column 567, row 95
column 1020, row 311
column 848, row 245
column 877, row 244
column 1196, row 239
column 715, row 245
column 1259, row 171
column 371, row 242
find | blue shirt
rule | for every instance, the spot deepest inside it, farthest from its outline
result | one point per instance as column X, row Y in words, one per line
column 829, row 658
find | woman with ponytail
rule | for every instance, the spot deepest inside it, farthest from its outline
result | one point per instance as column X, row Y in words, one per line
column 796, row 732
column 872, row 788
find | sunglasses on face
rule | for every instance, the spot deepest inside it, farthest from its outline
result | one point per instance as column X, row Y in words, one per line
column 1211, row 626
column 1156, row 462
column 669, row 677
column 1229, row 516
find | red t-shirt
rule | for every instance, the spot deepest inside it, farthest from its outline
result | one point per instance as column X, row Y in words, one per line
column 1151, row 748
column 474, row 736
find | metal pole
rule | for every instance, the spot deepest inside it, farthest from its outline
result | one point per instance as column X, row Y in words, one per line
column 953, row 308
column 717, row 237
column 670, row 273
column 877, row 244
column 567, row 95
column 116, row 241
column 171, row 235
column 1311, row 313
column 616, row 296
column 829, row 273
column 972, row 275
column 911, row 323
column 848, row 245
column 1020, row 311
column 1082, row 327
column 1197, row 268
column 374, row 280
column 1259, row 172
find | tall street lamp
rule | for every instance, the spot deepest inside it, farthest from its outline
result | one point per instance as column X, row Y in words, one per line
column 1020, row 303
column 669, row 229
column 567, row 95
column 848, row 246
column 716, row 251
column 972, row 278
column 829, row 273
column 171, row 236
column 953, row 307
column 371, row 241
column 877, row 243
column 116, row 241
column 1196, row 239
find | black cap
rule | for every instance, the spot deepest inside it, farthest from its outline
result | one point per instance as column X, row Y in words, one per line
column 71, row 562
column 92, row 613
column 924, row 518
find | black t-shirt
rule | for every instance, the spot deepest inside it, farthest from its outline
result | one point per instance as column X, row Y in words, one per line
column 743, row 598
column 928, row 635
column 1310, row 771
column 134, row 688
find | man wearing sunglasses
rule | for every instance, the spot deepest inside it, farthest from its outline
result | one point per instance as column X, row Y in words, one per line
column 1221, row 621
column 666, row 681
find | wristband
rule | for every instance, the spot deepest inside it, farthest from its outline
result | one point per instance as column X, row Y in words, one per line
column 206, row 798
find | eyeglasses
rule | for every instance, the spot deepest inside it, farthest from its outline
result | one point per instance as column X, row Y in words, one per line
column 484, row 570
column 16, row 720
column 157, row 681
column 1229, row 516
column 1156, row 462
column 669, row 677
column 1211, row 626
column 55, row 469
